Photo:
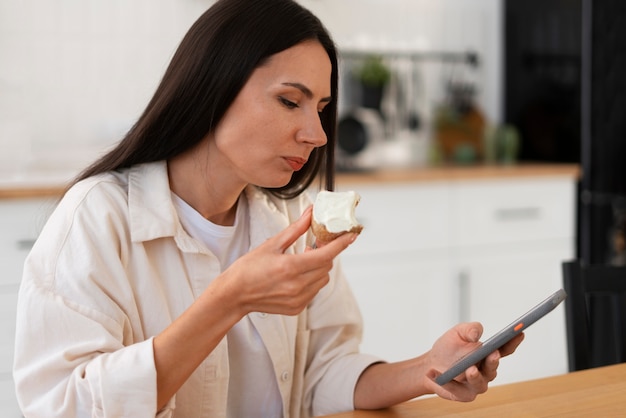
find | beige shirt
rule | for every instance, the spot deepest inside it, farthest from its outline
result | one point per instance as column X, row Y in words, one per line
column 113, row 267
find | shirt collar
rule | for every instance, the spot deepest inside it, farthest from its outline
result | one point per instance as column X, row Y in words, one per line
column 153, row 215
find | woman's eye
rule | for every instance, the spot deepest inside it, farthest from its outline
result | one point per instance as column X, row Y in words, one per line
column 288, row 103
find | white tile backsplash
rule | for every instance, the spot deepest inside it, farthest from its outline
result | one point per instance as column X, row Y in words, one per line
column 74, row 74
column 439, row 25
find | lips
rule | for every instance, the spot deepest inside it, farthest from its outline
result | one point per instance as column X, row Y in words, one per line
column 296, row 163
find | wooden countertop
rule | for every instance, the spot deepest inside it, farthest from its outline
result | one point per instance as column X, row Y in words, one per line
column 26, row 188
column 460, row 173
column 589, row 393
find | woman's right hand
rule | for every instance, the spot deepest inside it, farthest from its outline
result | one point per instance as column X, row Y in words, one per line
column 268, row 280
column 264, row 280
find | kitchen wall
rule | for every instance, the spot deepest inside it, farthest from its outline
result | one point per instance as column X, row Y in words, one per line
column 74, row 74
column 425, row 25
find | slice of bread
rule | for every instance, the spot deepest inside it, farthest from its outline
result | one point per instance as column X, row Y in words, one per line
column 333, row 215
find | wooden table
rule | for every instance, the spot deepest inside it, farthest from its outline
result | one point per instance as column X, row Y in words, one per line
column 599, row 392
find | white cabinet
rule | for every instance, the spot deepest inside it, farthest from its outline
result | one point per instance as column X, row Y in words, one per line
column 512, row 210
column 510, row 237
column 20, row 222
column 497, row 285
column 394, row 292
column 436, row 253
column 398, row 267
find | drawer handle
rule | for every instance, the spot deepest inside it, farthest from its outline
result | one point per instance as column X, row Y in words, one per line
column 518, row 214
column 464, row 296
column 25, row 244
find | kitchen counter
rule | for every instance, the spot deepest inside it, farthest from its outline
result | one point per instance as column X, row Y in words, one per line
column 52, row 183
column 35, row 183
column 453, row 173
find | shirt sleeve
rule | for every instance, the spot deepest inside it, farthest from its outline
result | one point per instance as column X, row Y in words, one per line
column 61, row 375
column 335, row 363
column 78, row 350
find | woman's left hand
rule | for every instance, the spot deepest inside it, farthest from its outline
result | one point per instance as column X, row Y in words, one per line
column 385, row 384
column 454, row 344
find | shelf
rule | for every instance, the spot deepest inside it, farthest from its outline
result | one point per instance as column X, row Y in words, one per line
column 469, row 57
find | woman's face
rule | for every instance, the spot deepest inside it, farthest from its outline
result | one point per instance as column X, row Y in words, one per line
column 273, row 124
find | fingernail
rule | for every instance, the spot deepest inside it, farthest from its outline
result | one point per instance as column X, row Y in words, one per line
column 474, row 335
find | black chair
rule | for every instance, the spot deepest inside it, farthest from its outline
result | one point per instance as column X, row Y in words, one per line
column 595, row 314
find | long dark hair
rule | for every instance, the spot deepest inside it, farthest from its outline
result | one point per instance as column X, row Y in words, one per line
column 211, row 65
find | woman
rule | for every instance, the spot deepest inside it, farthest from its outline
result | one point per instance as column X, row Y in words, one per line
column 176, row 276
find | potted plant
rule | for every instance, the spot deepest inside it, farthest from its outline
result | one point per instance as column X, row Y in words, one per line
column 373, row 75
column 460, row 125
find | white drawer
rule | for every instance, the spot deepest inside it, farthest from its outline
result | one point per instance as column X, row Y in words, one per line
column 8, row 402
column 402, row 217
column 20, row 223
column 513, row 210
column 8, row 306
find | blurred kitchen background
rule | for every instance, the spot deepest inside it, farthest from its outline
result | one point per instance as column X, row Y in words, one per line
column 75, row 74
column 464, row 82
column 486, row 138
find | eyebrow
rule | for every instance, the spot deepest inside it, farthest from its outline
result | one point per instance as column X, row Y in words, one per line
column 306, row 91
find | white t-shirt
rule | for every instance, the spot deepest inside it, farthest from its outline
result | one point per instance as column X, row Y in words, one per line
column 253, row 390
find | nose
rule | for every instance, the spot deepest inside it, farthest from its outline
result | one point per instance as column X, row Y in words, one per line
column 312, row 131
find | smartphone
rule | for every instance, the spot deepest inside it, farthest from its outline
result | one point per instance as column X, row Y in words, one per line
column 502, row 337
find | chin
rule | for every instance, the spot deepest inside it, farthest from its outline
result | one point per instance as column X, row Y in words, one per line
column 274, row 183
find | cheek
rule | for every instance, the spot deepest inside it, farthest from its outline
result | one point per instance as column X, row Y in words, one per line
column 252, row 131
column 247, row 144
column 261, row 135
column 248, row 120
column 235, row 130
